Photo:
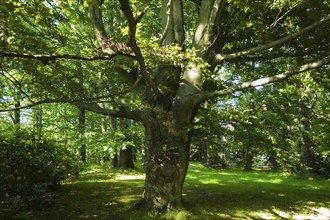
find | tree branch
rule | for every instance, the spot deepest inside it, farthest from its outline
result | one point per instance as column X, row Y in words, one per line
column 80, row 100
column 272, row 56
column 140, row 16
column 16, row 84
column 224, row 57
column 169, row 13
column 203, row 96
column 93, row 107
column 277, row 19
column 207, row 32
column 81, row 103
column 48, row 58
column 99, row 30
column 122, row 113
column 124, row 6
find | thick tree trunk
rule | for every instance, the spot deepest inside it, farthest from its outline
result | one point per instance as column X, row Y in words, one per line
column 166, row 167
column 167, row 154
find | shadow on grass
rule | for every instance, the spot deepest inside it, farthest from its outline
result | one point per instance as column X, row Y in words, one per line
column 97, row 195
column 209, row 194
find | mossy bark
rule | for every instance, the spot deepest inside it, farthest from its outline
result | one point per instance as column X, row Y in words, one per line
column 168, row 139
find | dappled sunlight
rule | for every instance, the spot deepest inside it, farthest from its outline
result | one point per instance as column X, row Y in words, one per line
column 129, row 198
column 130, row 177
column 93, row 216
column 264, row 215
column 99, row 181
column 279, row 213
column 320, row 213
column 275, row 181
column 234, row 194
column 208, row 194
column 323, row 211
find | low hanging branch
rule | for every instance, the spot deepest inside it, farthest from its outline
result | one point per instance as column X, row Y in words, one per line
column 48, row 58
column 123, row 112
column 78, row 100
column 264, row 81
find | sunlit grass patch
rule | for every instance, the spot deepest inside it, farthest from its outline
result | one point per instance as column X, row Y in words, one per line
column 235, row 194
column 178, row 215
column 130, row 177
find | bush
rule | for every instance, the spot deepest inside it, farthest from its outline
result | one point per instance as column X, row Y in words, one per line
column 29, row 166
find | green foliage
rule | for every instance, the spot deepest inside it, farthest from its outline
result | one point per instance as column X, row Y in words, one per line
column 30, row 166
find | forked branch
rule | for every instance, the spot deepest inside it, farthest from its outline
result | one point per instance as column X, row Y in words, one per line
column 132, row 22
column 224, row 57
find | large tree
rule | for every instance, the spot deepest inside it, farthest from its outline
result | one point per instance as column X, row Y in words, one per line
column 169, row 54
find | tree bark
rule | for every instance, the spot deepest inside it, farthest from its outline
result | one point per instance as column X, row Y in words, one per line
column 81, row 130
column 17, row 111
column 248, row 159
column 167, row 152
column 114, row 161
column 204, row 148
column 251, row 141
column 126, row 158
column 307, row 157
column 38, row 120
column 166, row 167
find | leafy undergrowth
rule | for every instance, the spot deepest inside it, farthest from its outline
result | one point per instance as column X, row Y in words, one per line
column 101, row 193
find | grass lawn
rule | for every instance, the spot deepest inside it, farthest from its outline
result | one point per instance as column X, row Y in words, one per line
column 101, row 193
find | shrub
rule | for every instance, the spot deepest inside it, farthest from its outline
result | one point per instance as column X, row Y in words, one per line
column 29, row 166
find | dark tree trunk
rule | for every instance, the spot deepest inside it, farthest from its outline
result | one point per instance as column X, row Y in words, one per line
column 106, row 158
column 126, row 158
column 205, row 152
column 17, row 111
column 38, row 123
column 17, row 114
column 81, row 130
column 307, row 157
column 114, row 161
column 272, row 158
column 248, row 159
